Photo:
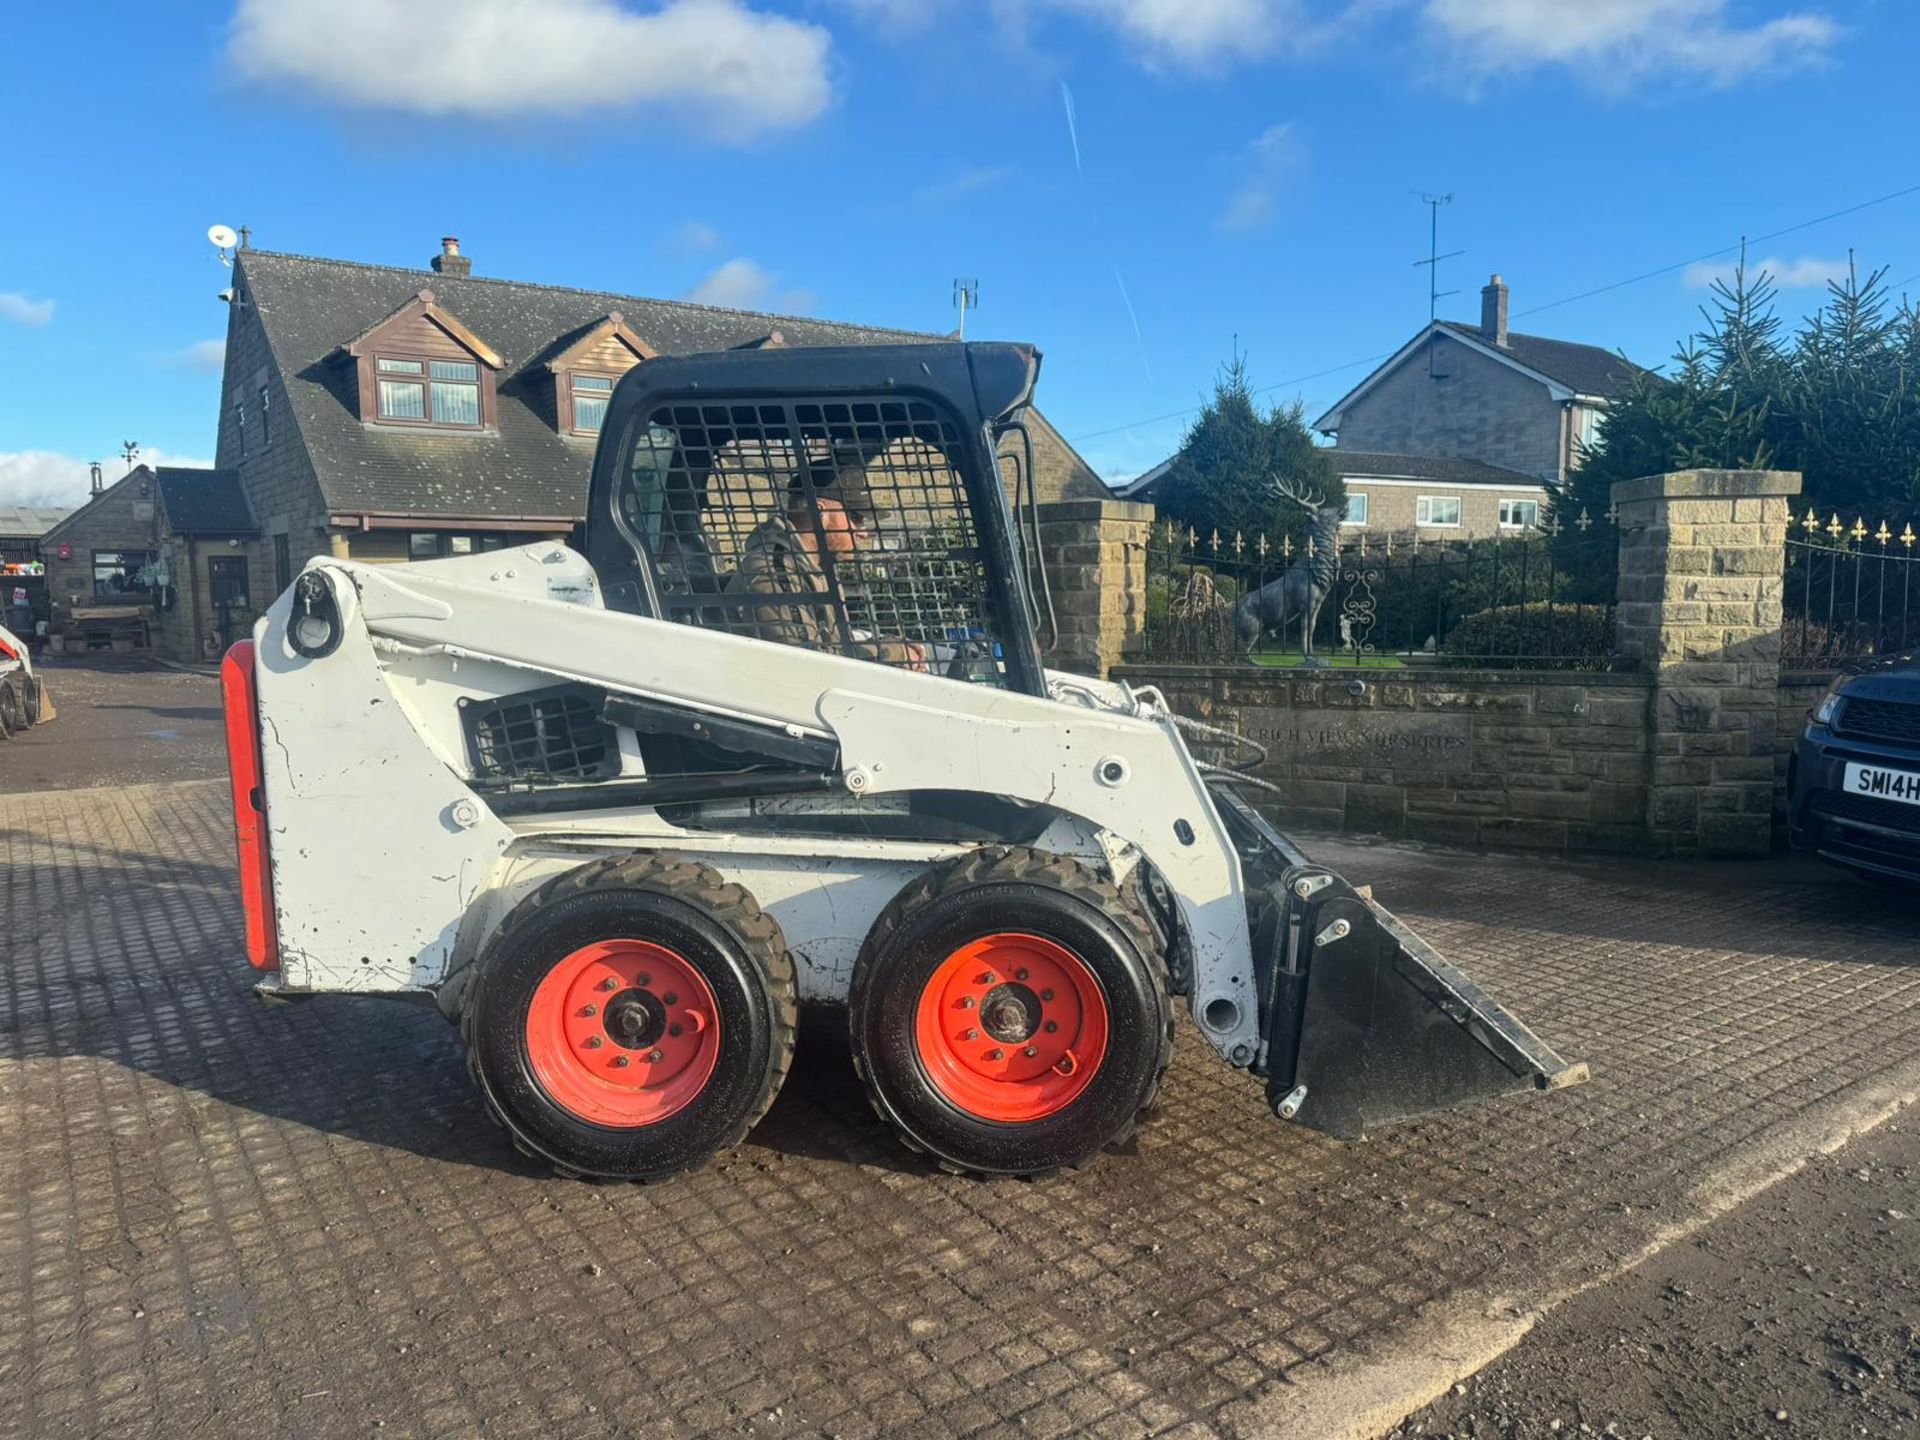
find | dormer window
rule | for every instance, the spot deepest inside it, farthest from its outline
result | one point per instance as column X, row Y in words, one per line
column 428, row 392
column 590, row 396
column 589, row 364
column 421, row 367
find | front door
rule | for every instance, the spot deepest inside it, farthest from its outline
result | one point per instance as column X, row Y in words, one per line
column 232, row 601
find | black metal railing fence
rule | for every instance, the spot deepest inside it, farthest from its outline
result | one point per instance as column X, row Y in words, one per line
column 1851, row 594
column 1359, row 598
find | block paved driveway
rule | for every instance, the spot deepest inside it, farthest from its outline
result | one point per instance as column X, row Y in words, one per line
column 221, row 1219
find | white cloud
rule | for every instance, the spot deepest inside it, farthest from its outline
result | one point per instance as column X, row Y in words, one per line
column 1801, row 274
column 15, row 306
column 1614, row 43
column 1264, row 167
column 200, row 355
column 738, row 285
column 1195, row 34
column 692, row 235
column 741, row 284
column 743, row 70
column 45, row 477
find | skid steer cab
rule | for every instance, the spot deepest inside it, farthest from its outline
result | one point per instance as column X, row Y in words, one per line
column 783, row 736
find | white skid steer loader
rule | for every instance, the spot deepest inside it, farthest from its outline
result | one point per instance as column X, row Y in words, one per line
column 782, row 736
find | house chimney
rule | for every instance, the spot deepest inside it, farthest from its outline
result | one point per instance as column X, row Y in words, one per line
column 1493, row 311
column 450, row 262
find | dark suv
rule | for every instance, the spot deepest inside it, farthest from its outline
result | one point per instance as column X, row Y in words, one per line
column 1853, row 783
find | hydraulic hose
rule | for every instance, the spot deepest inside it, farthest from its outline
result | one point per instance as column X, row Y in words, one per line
column 1214, row 732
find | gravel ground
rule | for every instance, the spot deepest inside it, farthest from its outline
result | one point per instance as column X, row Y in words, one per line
column 119, row 721
column 1795, row 1316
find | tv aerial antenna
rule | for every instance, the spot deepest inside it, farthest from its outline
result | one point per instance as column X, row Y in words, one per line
column 1434, row 293
column 966, row 296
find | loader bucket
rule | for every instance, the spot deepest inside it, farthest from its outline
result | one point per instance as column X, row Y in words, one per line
column 1363, row 1024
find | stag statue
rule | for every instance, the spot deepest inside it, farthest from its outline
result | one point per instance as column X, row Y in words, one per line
column 1294, row 596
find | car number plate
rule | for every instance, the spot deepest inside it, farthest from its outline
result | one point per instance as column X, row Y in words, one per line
column 1883, row 784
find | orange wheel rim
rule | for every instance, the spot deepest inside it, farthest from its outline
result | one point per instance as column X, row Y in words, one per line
column 623, row 1033
column 1011, row 1027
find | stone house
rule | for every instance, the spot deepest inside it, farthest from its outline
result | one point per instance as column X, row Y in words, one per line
column 177, row 544
column 386, row 414
column 215, row 578
column 1523, row 403
column 1465, row 431
column 1437, row 497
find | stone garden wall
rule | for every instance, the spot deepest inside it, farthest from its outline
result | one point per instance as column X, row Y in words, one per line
column 1681, row 750
column 1464, row 757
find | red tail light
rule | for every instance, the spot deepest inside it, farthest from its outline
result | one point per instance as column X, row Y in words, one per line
column 249, row 804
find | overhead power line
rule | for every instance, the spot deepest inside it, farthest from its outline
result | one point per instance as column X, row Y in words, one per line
column 1724, row 250
column 1550, row 305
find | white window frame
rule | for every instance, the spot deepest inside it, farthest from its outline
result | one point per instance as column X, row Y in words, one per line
column 1347, row 517
column 1506, row 524
column 1423, row 512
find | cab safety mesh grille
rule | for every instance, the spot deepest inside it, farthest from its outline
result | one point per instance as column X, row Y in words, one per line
column 841, row 525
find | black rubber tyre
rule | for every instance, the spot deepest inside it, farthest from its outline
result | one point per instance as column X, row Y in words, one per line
column 30, row 700
column 714, row 927
column 992, row 891
column 13, row 709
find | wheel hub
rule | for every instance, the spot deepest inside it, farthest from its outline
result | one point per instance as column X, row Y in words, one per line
column 1010, row 1013
column 635, row 1019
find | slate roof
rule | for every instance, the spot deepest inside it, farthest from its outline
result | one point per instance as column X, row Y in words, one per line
column 309, row 308
column 29, row 522
column 204, row 502
column 1440, row 469
column 1586, row 369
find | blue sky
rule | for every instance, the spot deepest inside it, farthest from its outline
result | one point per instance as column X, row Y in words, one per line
column 1242, row 167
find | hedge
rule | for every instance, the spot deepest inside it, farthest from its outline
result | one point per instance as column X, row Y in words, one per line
column 1536, row 636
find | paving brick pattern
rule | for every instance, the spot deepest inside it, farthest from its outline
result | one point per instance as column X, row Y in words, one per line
column 220, row 1219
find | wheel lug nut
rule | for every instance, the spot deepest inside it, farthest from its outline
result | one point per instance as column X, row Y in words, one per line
column 1020, row 974
column 1032, row 1051
column 673, row 1029
column 643, row 978
column 610, row 983
column 653, row 1057
column 971, row 1035
column 966, row 1002
column 996, row 1055
column 594, row 1042
column 1052, row 1025
column 988, row 978
column 591, row 1010
column 1046, row 994
column 621, row 1062
column 670, row 998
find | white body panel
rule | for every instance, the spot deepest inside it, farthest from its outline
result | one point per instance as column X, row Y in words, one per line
column 388, row 870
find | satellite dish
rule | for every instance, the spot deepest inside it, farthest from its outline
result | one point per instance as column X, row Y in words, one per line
column 222, row 236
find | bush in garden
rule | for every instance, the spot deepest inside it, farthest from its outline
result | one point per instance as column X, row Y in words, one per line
column 1538, row 635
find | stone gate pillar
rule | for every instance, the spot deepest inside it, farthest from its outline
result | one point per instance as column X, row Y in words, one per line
column 1095, row 552
column 1702, row 563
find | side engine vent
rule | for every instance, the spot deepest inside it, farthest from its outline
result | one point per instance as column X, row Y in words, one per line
column 551, row 734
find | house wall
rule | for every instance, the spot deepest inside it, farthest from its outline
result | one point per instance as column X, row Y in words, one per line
column 189, row 625
column 1391, row 508
column 1482, row 409
column 125, row 516
column 274, row 471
